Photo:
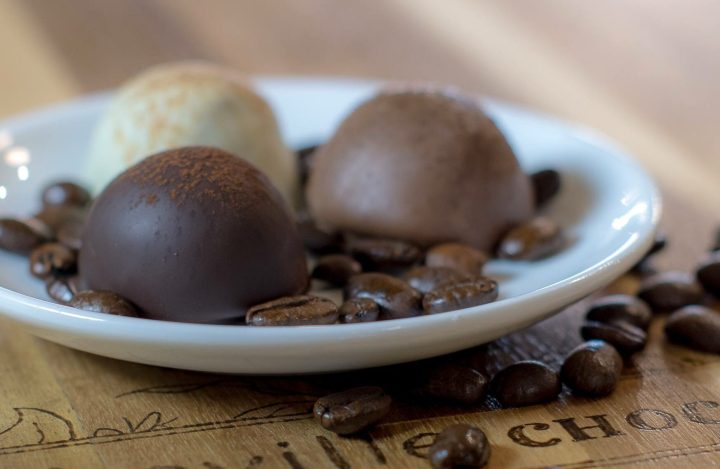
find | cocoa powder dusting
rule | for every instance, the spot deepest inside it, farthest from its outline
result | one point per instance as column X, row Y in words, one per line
column 192, row 172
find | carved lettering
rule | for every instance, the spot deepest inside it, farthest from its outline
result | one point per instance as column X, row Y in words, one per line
column 644, row 419
column 517, row 434
column 419, row 442
column 694, row 414
column 579, row 434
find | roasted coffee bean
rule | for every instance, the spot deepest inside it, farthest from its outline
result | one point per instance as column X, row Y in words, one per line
column 668, row 291
column 625, row 337
column 454, row 382
column 645, row 265
column 336, row 269
column 708, row 274
column 62, row 289
column 57, row 216
column 395, row 297
column 52, row 259
column 461, row 295
column 716, row 241
column 359, row 310
column 546, row 185
column 65, row 193
column 70, row 234
column 104, row 302
column 457, row 256
column 536, row 239
column 696, row 327
column 525, row 383
column 382, row 254
column 592, row 368
column 19, row 237
column 460, row 445
column 613, row 308
column 305, row 158
column 300, row 310
column 424, row 278
column 352, row 410
column 316, row 240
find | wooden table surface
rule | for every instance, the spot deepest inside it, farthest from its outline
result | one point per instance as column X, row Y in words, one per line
column 642, row 71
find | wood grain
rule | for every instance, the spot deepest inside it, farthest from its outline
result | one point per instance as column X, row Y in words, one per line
column 641, row 71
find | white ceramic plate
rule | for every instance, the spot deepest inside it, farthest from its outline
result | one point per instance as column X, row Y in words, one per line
column 609, row 207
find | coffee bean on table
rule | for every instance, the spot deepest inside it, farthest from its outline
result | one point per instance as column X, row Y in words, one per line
column 104, row 302
column 316, row 240
column 668, row 291
column 592, row 368
column 644, row 265
column 19, row 237
column 625, row 337
column 461, row 295
column 546, row 185
column 424, row 278
column 359, row 310
column 708, row 273
column 536, row 239
column 65, row 193
column 394, row 296
column 454, row 382
column 62, row 289
column 457, row 256
column 696, row 327
column 382, row 254
column 336, row 269
column 352, row 410
column 460, row 445
column 52, row 259
column 612, row 308
column 300, row 310
column 525, row 383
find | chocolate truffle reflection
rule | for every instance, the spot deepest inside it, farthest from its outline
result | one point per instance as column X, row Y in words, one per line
column 193, row 234
column 422, row 165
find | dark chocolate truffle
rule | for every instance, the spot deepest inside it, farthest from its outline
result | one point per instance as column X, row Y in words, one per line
column 193, row 234
column 422, row 165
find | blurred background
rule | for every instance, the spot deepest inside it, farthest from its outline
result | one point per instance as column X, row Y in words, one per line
column 644, row 72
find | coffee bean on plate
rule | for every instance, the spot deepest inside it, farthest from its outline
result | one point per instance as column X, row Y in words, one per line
column 625, row 337
column 457, row 256
column 300, row 310
column 460, row 445
column 19, row 237
column 454, row 382
column 52, row 259
column 695, row 326
column 359, row 310
column 336, row 269
column 592, row 368
column 612, row 308
column 478, row 291
column 316, row 240
column 382, row 254
column 65, row 193
column 536, row 239
column 525, row 383
column 57, row 216
column 708, row 273
column 394, row 296
column 546, row 185
column 305, row 157
column 424, row 278
column 352, row 410
column 668, row 291
column 62, row 289
column 70, row 234
column 103, row 302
